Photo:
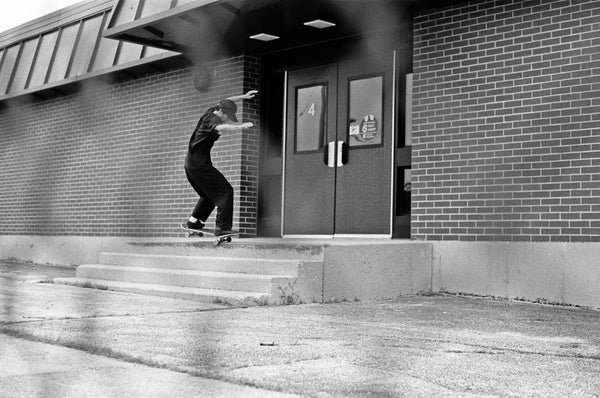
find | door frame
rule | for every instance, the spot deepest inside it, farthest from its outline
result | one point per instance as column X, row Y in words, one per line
column 394, row 132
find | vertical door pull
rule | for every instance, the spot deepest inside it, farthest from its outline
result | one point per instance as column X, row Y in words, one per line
column 329, row 154
column 342, row 153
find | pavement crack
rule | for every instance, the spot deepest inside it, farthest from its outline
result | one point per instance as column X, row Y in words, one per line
column 487, row 352
column 501, row 351
column 29, row 320
column 286, row 363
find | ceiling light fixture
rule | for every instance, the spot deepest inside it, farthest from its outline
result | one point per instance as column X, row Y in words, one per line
column 319, row 24
column 264, row 37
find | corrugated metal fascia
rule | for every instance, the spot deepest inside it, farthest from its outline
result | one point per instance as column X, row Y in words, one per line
column 70, row 80
column 54, row 20
column 113, row 31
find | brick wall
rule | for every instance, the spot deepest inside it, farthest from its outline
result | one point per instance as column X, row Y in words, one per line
column 108, row 160
column 506, row 127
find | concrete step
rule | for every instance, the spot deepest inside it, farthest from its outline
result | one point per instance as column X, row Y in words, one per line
column 239, row 248
column 274, row 271
column 186, row 278
column 262, row 266
column 216, row 296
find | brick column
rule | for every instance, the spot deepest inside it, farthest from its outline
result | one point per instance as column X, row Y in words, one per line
column 247, row 203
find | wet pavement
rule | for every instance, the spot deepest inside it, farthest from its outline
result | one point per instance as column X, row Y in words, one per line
column 70, row 341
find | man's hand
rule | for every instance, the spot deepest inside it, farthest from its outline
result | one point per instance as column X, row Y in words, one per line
column 246, row 125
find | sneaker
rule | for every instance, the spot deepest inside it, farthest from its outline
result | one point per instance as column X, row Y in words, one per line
column 195, row 225
column 220, row 232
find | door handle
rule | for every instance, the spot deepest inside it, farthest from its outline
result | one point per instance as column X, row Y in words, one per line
column 329, row 154
column 342, row 153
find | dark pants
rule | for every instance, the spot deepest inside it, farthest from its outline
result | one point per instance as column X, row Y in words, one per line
column 214, row 190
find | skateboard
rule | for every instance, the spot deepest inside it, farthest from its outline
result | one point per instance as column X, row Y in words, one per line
column 208, row 231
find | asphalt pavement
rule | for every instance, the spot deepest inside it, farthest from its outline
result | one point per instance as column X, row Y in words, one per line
column 63, row 341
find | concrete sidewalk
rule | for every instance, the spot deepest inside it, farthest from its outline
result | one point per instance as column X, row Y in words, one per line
column 68, row 341
column 32, row 369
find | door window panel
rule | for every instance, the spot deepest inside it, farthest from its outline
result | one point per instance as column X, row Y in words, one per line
column 311, row 104
column 365, row 124
column 408, row 111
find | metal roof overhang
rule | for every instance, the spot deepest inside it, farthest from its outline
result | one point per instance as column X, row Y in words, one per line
column 210, row 29
column 58, row 53
column 162, row 28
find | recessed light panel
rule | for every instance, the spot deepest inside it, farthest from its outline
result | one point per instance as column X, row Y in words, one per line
column 264, row 37
column 319, row 24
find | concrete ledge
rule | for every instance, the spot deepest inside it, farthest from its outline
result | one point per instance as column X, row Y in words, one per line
column 567, row 273
column 372, row 271
column 76, row 250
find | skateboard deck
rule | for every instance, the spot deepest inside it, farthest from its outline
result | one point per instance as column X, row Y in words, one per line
column 209, row 231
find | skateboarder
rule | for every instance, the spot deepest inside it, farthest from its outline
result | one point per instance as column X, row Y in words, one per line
column 207, row 181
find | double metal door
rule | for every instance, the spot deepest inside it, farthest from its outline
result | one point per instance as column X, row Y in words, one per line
column 339, row 144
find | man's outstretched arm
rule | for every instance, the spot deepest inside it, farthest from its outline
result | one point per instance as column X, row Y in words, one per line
column 225, row 127
column 249, row 95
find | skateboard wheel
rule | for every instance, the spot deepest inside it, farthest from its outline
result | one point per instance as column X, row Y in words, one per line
column 229, row 239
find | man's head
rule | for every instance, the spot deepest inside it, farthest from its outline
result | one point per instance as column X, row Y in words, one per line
column 227, row 109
